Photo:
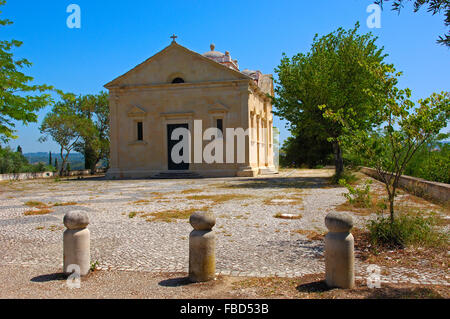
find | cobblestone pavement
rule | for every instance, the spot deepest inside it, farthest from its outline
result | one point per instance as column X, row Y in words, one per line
column 250, row 241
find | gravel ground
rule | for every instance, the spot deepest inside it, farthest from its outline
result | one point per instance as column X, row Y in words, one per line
column 250, row 241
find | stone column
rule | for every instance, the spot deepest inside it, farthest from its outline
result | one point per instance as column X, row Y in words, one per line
column 202, row 245
column 76, row 242
column 339, row 251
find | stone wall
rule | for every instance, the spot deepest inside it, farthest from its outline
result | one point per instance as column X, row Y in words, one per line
column 24, row 176
column 435, row 191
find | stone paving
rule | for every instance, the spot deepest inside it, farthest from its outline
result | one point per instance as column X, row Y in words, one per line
column 250, row 240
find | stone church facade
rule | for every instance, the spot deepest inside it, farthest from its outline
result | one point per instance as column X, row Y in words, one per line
column 175, row 88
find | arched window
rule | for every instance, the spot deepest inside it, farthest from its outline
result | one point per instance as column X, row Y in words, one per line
column 178, row 80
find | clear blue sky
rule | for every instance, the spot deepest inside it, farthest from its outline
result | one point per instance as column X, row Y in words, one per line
column 117, row 35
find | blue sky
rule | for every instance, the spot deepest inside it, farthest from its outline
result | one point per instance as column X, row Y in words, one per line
column 117, row 35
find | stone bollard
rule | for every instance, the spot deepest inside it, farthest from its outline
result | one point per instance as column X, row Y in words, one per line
column 202, row 246
column 339, row 251
column 76, row 242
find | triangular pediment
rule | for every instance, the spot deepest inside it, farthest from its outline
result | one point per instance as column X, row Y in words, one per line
column 218, row 108
column 176, row 61
column 136, row 111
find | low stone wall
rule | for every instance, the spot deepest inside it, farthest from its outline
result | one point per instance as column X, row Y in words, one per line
column 24, row 176
column 435, row 191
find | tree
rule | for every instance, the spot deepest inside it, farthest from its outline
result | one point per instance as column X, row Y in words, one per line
column 16, row 104
column 301, row 149
column 405, row 129
column 344, row 73
column 64, row 126
column 19, row 149
column 50, row 158
column 94, row 144
column 56, row 163
column 434, row 6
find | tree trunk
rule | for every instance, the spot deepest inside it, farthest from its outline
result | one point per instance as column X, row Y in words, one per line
column 338, row 160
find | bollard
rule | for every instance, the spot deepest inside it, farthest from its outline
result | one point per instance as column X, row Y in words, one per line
column 202, row 245
column 339, row 251
column 76, row 242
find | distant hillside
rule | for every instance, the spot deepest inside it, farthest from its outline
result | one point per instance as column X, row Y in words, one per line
column 76, row 160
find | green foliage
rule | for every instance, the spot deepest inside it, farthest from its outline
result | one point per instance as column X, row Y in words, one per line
column 431, row 162
column 94, row 265
column 64, row 126
column 404, row 130
column 303, row 150
column 404, row 231
column 19, row 100
column 344, row 77
column 434, row 6
column 94, row 143
column 358, row 196
column 16, row 162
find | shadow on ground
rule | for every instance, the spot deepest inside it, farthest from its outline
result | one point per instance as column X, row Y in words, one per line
column 176, row 282
column 285, row 182
column 315, row 286
column 49, row 277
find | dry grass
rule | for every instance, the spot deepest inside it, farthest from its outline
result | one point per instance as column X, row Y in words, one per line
column 43, row 211
column 219, row 198
column 65, row 204
column 141, row 201
column 192, row 191
column 36, row 204
column 310, row 234
column 170, row 216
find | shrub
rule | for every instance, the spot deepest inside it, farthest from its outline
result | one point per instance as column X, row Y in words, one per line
column 359, row 197
column 404, row 231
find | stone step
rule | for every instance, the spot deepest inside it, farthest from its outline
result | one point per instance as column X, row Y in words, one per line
column 176, row 175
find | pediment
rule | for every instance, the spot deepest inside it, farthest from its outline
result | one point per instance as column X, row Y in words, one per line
column 218, row 108
column 176, row 61
column 136, row 111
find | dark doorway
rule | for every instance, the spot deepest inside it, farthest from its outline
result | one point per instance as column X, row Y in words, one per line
column 171, row 144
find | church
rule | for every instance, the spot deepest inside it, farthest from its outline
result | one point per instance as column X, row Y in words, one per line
column 178, row 88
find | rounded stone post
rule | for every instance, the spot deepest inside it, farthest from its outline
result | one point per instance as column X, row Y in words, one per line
column 76, row 243
column 202, row 246
column 339, row 251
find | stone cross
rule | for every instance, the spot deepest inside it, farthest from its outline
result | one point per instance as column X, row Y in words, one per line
column 173, row 37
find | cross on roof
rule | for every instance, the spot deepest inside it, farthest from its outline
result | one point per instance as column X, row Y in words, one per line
column 173, row 37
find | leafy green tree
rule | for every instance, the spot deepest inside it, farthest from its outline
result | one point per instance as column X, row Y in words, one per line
column 301, row 149
column 19, row 149
column 404, row 130
column 94, row 144
column 56, row 163
column 17, row 101
column 434, row 6
column 49, row 158
column 64, row 126
column 344, row 73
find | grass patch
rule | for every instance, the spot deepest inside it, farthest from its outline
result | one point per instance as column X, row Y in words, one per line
column 191, row 191
column 36, row 204
column 310, row 234
column 141, row 201
column 170, row 216
column 44, row 211
column 406, row 230
column 219, row 198
column 132, row 214
column 65, row 204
